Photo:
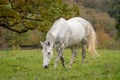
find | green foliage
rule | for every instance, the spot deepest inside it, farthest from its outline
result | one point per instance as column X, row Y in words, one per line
column 115, row 12
column 34, row 13
column 116, row 44
column 27, row 65
column 54, row 10
column 23, row 15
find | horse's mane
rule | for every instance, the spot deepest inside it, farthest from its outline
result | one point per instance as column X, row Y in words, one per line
column 59, row 20
column 57, row 23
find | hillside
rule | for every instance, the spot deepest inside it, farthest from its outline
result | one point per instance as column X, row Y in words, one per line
column 97, row 13
column 25, row 23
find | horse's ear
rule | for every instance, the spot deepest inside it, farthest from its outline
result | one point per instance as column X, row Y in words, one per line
column 48, row 43
column 42, row 43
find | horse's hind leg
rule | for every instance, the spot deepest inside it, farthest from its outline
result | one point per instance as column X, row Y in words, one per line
column 72, row 58
column 83, row 51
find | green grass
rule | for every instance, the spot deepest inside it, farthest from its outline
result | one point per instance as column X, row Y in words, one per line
column 27, row 65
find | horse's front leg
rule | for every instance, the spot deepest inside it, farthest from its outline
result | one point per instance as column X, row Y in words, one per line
column 60, row 56
column 62, row 60
column 72, row 58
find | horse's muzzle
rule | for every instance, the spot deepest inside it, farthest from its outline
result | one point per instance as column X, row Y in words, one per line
column 46, row 66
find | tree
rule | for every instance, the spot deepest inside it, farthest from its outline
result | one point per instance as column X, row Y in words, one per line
column 23, row 15
column 115, row 12
column 29, row 16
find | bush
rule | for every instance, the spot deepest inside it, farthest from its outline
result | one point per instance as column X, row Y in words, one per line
column 115, row 45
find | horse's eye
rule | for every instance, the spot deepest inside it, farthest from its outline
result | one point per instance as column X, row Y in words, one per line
column 48, row 53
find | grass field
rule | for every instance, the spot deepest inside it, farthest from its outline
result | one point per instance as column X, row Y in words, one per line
column 27, row 65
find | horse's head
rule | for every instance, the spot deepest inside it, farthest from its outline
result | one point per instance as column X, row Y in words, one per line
column 47, row 53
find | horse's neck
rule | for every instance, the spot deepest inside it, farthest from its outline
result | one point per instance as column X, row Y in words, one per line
column 58, row 29
column 50, row 38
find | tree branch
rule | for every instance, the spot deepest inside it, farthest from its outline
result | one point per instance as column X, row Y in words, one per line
column 14, row 30
column 6, row 24
column 30, row 18
column 22, row 17
column 9, row 27
column 7, row 16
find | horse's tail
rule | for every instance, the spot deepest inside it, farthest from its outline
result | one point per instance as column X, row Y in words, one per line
column 91, row 42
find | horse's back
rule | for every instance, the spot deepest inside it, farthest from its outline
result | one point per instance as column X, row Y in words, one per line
column 77, row 26
column 82, row 21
